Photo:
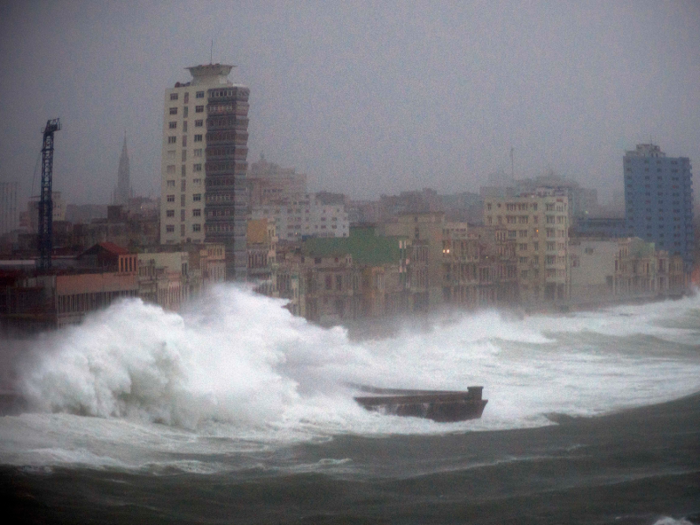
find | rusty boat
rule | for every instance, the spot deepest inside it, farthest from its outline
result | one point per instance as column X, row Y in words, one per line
column 443, row 406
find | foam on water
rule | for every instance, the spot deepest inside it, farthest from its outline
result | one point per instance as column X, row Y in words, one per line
column 240, row 368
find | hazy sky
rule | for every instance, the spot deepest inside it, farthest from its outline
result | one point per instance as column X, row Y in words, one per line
column 365, row 97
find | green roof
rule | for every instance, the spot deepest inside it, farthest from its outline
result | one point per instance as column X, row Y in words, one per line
column 365, row 247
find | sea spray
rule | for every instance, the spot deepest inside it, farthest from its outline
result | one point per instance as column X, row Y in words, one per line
column 239, row 364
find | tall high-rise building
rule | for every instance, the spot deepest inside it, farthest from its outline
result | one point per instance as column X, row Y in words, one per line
column 205, row 145
column 659, row 200
column 122, row 193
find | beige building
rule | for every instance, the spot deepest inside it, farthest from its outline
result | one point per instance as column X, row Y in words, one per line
column 424, row 236
column 539, row 224
column 203, row 164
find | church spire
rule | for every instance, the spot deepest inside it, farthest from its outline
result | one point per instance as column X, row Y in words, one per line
column 122, row 192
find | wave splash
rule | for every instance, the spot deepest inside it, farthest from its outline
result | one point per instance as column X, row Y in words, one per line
column 243, row 360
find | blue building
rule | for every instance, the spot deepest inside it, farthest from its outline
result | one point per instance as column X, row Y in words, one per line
column 659, row 200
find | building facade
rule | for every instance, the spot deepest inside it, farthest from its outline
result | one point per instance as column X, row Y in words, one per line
column 539, row 223
column 659, row 200
column 304, row 215
column 205, row 146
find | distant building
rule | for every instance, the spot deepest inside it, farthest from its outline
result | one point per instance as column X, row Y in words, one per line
column 58, row 210
column 269, row 183
column 122, row 192
column 203, row 170
column 9, row 214
column 305, row 216
column 659, row 200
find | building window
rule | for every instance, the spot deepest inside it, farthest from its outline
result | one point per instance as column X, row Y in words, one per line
column 197, row 213
column 171, row 184
column 198, row 152
column 170, row 213
column 184, row 141
column 196, row 167
column 196, row 227
column 185, row 111
column 182, row 200
column 187, row 97
column 170, row 228
column 184, row 127
column 172, row 125
column 198, row 138
column 197, row 197
column 200, row 94
column 170, row 198
column 170, row 168
column 173, row 96
column 198, row 123
column 173, row 111
column 198, row 109
column 172, row 140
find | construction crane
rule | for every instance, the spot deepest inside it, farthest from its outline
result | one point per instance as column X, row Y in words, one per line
column 46, row 203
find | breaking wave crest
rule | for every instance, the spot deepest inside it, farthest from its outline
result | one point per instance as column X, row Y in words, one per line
column 239, row 359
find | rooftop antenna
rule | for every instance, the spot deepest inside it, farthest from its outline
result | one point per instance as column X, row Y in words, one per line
column 211, row 52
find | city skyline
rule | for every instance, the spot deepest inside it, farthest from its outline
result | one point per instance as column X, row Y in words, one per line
column 365, row 99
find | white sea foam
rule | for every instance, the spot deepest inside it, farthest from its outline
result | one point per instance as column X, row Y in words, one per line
column 239, row 372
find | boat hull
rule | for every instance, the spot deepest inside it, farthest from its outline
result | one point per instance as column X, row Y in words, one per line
column 438, row 405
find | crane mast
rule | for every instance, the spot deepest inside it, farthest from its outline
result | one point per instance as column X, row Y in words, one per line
column 46, row 201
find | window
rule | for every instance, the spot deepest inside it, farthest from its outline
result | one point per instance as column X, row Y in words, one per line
column 182, row 200
column 170, row 198
column 198, row 152
column 182, row 185
column 197, row 197
column 170, row 213
column 184, row 155
column 171, row 184
column 198, row 123
column 172, row 125
column 184, row 127
column 184, row 141
column 187, row 97
column 198, row 138
column 196, row 227
column 197, row 182
column 173, row 111
column 170, row 228
column 173, row 96
column 185, row 111
column 198, row 109
column 170, row 168
column 197, row 213
column 196, row 167
column 171, row 154
column 200, row 94
column 172, row 140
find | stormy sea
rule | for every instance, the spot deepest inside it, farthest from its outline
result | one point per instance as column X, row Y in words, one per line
column 237, row 412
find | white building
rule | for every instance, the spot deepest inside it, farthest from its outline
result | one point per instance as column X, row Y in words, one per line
column 205, row 136
column 305, row 216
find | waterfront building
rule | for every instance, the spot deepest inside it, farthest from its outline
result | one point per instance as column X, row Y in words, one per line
column 539, row 223
column 659, row 200
column 203, row 189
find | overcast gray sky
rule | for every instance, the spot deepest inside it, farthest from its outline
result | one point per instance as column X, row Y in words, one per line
column 365, row 97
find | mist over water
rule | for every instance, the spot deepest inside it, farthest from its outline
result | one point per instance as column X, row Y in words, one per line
column 238, row 372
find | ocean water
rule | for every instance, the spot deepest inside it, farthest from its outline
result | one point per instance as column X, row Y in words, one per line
column 237, row 412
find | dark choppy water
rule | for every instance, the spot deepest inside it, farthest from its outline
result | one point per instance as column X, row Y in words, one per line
column 237, row 413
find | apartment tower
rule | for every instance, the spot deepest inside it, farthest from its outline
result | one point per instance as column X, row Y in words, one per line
column 205, row 138
column 659, row 200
